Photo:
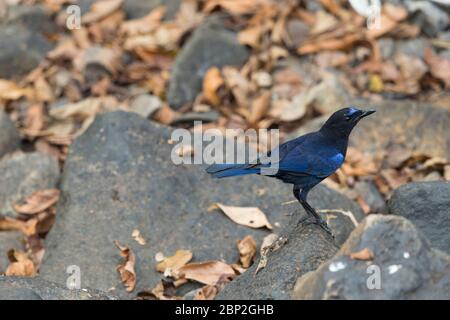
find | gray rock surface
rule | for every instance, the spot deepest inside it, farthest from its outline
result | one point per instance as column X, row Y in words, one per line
column 34, row 17
column 22, row 288
column 428, row 16
column 210, row 45
column 427, row 205
column 9, row 135
column 22, row 174
column 119, row 177
column 9, row 240
column 21, row 50
column 138, row 8
column 419, row 127
column 307, row 247
column 404, row 266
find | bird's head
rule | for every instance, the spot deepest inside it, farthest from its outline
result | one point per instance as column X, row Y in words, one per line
column 343, row 121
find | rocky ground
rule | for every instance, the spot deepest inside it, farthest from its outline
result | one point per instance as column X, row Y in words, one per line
column 89, row 196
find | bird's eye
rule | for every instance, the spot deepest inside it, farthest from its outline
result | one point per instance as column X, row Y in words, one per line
column 348, row 118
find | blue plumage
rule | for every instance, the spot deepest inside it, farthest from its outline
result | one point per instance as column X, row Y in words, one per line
column 306, row 160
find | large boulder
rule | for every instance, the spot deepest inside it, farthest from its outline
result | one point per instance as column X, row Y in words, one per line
column 22, row 174
column 9, row 135
column 21, row 288
column 306, row 247
column 418, row 127
column 402, row 266
column 210, row 45
column 427, row 205
column 119, row 176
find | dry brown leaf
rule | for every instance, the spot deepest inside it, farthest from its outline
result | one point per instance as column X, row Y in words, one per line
column 165, row 115
column 126, row 269
column 211, row 83
column 251, row 36
column 206, row 293
column 175, row 262
column 145, row 24
column 136, row 234
column 365, row 254
column 439, row 67
column 38, row 201
column 43, row 91
column 247, row 251
column 247, row 216
column 9, row 90
column 324, row 22
column 235, row 7
column 387, row 24
column 34, row 120
column 100, row 10
column 397, row 13
column 21, row 265
column 209, row 272
column 328, row 44
column 26, row 227
column 260, row 106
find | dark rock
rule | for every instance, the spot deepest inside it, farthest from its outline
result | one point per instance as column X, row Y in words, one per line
column 420, row 127
column 145, row 105
column 387, row 47
column 210, row 45
column 429, row 17
column 9, row 135
column 427, row 205
column 21, row 288
column 190, row 117
column 22, row 174
column 137, row 8
column 34, row 17
column 407, row 267
column 308, row 246
column 298, row 32
column 9, row 240
column 370, row 194
column 21, row 50
column 412, row 47
column 119, row 177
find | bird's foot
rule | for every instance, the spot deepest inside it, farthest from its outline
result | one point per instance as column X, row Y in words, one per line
column 323, row 224
column 318, row 221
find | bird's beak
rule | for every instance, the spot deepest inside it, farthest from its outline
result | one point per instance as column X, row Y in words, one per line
column 366, row 113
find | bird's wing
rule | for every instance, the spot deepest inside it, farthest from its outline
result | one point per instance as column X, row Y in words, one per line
column 319, row 163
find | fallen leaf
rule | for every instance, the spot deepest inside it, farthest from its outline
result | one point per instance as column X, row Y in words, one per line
column 136, row 234
column 206, row 293
column 38, row 201
column 100, row 10
column 365, row 254
column 211, row 83
column 26, row 227
column 260, row 106
column 164, row 290
column 9, row 90
column 174, row 262
column 439, row 67
column 247, row 216
column 21, row 265
column 250, row 36
column 208, row 272
column 247, row 251
column 447, row 172
column 126, row 269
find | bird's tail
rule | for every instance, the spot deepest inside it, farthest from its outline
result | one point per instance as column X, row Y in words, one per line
column 230, row 170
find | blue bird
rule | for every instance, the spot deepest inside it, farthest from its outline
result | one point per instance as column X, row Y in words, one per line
column 307, row 160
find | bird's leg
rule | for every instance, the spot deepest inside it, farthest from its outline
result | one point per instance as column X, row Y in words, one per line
column 301, row 197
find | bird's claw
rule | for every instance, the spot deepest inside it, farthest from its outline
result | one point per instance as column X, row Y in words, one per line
column 322, row 223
